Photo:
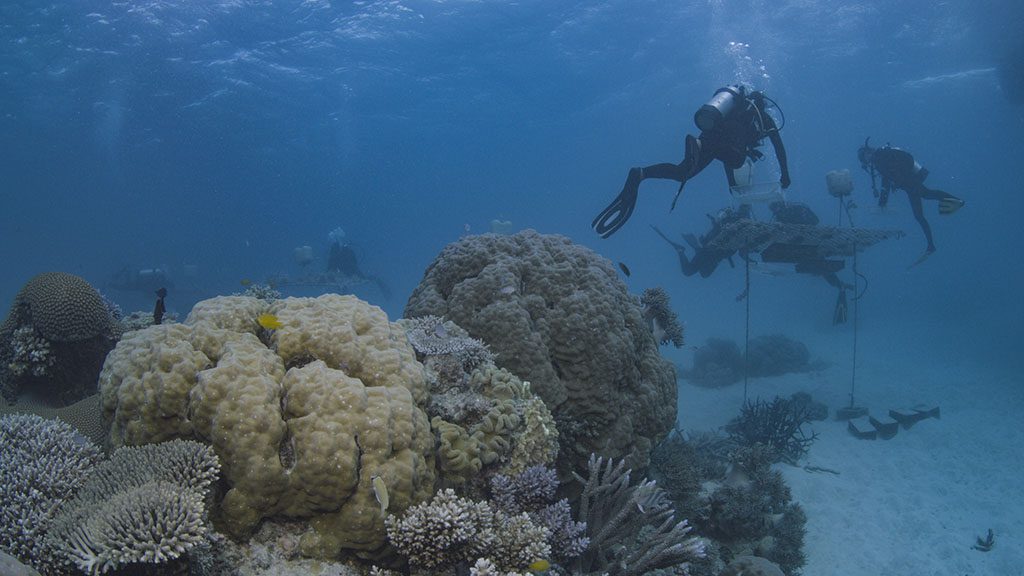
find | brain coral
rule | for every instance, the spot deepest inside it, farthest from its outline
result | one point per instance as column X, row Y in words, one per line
column 557, row 315
column 65, row 332
column 301, row 417
column 62, row 308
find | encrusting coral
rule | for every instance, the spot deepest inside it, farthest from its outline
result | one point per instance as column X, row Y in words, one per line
column 557, row 315
column 487, row 420
column 303, row 416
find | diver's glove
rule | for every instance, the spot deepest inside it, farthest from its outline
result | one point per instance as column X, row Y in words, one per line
column 618, row 212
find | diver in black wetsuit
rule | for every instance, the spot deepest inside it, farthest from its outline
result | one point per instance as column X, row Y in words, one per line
column 705, row 258
column 342, row 260
column 899, row 170
column 733, row 124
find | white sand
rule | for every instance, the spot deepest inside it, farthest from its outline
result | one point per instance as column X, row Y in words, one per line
column 913, row 504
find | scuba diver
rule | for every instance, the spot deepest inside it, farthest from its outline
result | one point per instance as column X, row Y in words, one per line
column 733, row 125
column 706, row 258
column 341, row 259
column 139, row 280
column 899, row 170
column 343, row 265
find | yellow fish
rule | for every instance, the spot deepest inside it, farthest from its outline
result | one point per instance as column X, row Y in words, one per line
column 380, row 491
column 539, row 566
column 269, row 321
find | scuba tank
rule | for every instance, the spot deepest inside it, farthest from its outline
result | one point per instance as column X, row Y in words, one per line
column 724, row 101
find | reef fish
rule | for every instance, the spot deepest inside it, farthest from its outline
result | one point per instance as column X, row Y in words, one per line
column 625, row 269
column 539, row 566
column 269, row 321
column 380, row 491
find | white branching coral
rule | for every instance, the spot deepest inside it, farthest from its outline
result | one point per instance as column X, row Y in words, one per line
column 42, row 463
column 442, row 532
column 449, row 529
column 144, row 505
column 31, row 354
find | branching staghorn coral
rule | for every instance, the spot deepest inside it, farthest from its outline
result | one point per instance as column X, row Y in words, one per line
column 777, row 425
column 617, row 513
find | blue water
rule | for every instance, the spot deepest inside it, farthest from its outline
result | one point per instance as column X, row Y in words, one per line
column 212, row 138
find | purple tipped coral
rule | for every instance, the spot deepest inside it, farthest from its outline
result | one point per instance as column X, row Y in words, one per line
column 533, row 492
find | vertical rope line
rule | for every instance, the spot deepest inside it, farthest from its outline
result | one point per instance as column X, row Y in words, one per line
column 856, row 304
column 746, row 336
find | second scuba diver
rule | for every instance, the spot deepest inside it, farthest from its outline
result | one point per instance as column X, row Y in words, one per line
column 899, row 170
column 733, row 125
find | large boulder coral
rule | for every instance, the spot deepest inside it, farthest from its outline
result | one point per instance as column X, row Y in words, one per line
column 302, row 417
column 55, row 338
column 556, row 314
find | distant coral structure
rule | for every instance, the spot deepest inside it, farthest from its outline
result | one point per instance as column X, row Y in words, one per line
column 557, row 315
column 720, row 362
column 54, row 340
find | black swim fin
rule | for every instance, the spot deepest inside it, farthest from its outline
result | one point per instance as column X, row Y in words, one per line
column 950, row 205
column 839, row 316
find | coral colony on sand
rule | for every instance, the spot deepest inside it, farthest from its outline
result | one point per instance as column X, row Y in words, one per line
column 269, row 435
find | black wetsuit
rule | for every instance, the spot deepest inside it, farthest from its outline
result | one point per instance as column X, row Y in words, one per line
column 706, row 259
column 899, row 171
column 734, row 139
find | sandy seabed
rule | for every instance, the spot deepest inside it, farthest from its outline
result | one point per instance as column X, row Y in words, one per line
column 913, row 504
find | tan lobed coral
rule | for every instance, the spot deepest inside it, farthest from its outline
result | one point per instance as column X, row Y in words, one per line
column 301, row 417
column 557, row 315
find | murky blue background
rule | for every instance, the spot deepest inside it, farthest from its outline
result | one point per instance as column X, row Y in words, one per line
column 221, row 135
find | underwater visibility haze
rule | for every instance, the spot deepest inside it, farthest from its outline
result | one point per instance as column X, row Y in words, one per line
column 208, row 146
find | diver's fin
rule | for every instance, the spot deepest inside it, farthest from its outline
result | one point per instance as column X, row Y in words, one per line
column 839, row 316
column 921, row 258
column 692, row 241
column 678, row 247
column 950, row 205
